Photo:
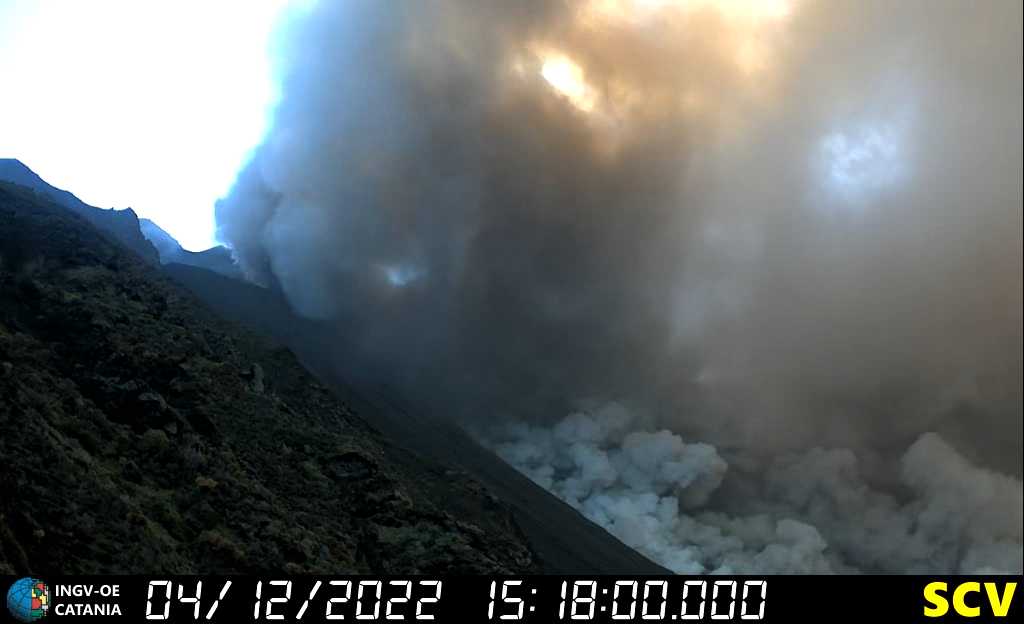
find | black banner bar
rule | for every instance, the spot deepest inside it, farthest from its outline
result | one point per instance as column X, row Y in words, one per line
column 527, row 599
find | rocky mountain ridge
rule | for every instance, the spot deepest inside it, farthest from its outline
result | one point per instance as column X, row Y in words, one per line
column 142, row 433
column 558, row 537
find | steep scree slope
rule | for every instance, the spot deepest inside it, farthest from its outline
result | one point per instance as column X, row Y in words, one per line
column 140, row 433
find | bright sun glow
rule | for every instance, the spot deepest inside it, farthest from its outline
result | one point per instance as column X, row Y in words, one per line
column 640, row 10
column 567, row 78
column 751, row 22
column 153, row 105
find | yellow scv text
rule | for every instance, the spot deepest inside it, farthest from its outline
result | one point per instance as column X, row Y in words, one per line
column 936, row 604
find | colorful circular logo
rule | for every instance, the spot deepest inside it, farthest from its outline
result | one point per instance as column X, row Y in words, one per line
column 28, row 599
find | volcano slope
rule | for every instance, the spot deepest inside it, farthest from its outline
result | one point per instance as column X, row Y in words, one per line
column 563, row 539
column 139, row 432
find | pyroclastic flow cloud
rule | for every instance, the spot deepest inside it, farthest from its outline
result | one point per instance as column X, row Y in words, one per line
column 788, row 229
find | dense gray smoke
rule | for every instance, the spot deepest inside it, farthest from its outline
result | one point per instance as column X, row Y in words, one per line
column 809, row 512
column 772, row 225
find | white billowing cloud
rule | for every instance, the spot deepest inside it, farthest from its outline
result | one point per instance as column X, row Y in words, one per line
column 779, row 229
column 809, row 512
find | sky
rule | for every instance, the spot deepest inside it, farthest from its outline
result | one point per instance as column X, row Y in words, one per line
column 157, row 105
column 148, row 105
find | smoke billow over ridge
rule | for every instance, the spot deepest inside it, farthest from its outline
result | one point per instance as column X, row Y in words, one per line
column 776, row 226
column 813, row 511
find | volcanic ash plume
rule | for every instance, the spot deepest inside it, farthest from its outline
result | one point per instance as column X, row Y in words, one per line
column 809, row 512
column 774, row 226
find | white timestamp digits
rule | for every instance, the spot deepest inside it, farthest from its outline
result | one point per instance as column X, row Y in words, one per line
column 370, row 597
column 194, row 599
column 751, row 607
column 628, row 603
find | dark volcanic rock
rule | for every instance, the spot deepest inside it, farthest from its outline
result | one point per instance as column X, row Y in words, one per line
column 217, row 259
column 122, row 225
column 140, row 433
column 564, row 541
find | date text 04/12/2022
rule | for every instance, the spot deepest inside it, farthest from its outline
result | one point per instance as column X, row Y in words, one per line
column 507, row 600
